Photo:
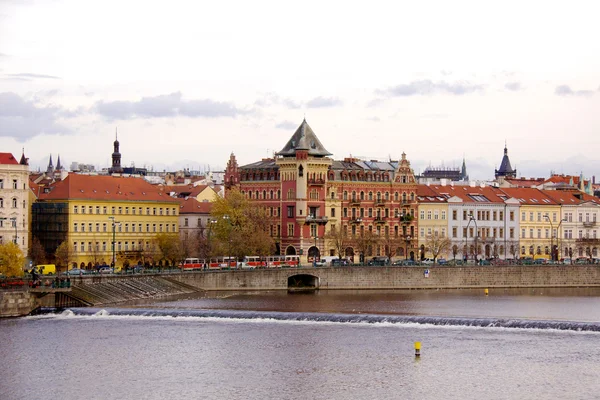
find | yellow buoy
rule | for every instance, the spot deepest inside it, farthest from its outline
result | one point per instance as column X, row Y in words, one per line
column 486, row 292
column 417, row 349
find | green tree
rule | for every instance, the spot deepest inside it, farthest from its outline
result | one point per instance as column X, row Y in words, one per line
column 170, row 247
column 11, row 260
column 241, row 227
column 63, row 254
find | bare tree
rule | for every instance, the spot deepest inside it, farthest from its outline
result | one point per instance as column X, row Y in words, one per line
column 365, row 242
column 436, row 245
column 339, row 239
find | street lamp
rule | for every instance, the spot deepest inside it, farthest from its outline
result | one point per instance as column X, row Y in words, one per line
column 114, row 224
column 315, row 253
column 551, row 237
column 407, row 243
column 471, row 218
column 14, row 221
column 226, row 217
column 211, row 223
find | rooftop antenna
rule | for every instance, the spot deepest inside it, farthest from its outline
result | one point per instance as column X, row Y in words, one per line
column 116, row 136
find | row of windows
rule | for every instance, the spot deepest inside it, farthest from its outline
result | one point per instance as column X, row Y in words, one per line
column 436, row 214
column 539, row 216
column 15, row 184
column 122, row 227
column 14, row 203
column 483, row 215
column 104, row 246
column 568, row 234
column 370, row 213
column 379, row 196
column 484, row 232
column 589, row 217
column 128, row 210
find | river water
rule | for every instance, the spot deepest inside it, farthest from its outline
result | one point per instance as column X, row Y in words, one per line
column 511, row 344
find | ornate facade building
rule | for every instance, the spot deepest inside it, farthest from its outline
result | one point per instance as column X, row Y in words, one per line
column 14, row 200
column 310, row 196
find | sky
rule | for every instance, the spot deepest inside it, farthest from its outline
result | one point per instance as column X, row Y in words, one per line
column 186, row 83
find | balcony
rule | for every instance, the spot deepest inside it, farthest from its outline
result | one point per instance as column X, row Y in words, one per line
column 354, row 202
column 316, row 181
column 315, row 219
column 591, row 224
column 356, row 221
column 379, row 203
column 379, row 220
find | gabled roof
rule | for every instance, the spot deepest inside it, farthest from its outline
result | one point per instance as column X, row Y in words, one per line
column 8, row 158
column 109, row 188
column 184, row 190
column 304, row 139
column 193, row 206
column 425, row 194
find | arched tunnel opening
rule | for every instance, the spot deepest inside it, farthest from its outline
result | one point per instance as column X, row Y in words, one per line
column 303, row 282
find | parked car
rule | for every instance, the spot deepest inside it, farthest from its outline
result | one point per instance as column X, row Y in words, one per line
column 244, row 265
column 442, row 261
column 105, row 270
column 427, row 261
column 75, row 272
column 339, row 262
column 379, row 261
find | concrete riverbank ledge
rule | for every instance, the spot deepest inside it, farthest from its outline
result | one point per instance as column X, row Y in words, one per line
column 432, row 277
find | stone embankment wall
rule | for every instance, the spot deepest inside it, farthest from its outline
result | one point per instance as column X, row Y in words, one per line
column 16, row 303
column 402, row 277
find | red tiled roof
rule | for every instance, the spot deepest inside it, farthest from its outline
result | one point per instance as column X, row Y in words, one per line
column 525, row 182
column 8, row 158
column 469, row 194
column 111, row 188
column 565, row 197
column 178, row 189
column 193, row 206
column 426, row 194
column 530, row 196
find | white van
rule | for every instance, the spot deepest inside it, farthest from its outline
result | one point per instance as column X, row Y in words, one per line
column 326, row 260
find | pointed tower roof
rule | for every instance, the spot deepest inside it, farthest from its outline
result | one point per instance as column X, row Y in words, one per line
column 24, row 160
column 304, row 139
column 505, row 167
column 58, row 166
column 50, row 168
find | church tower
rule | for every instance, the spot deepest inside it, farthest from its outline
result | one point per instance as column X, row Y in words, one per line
column 116, row 158
column 232, row 175
column 505, row 170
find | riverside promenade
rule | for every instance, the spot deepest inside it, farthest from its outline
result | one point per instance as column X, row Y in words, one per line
column 97, row 290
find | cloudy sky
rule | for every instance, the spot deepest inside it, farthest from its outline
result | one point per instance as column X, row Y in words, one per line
column 187, row 83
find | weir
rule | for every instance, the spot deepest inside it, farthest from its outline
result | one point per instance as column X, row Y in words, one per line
column 114, row 289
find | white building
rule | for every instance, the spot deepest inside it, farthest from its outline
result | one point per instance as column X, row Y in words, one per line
column 14, row 201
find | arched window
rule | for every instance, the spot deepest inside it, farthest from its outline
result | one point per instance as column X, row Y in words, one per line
column 1, row 202
column 14, row 202
column 362, row 195
column 301, row 171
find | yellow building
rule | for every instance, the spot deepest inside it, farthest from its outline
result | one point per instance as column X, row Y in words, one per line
column 432, row 222
column 539, row 218
column 90, row 212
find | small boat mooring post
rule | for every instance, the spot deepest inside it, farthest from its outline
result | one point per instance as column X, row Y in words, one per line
column 417, row 349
